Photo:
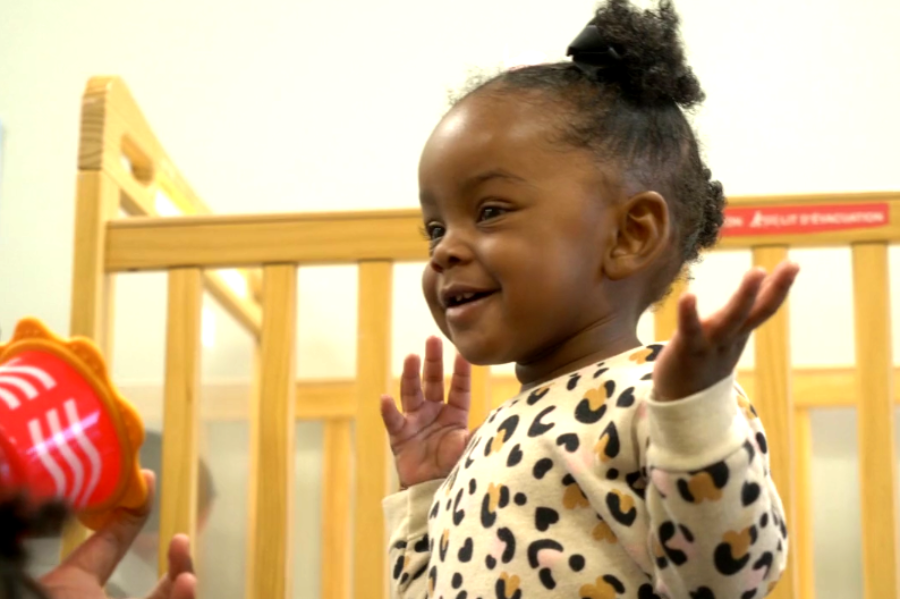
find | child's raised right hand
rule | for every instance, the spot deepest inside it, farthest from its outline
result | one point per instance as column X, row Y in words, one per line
column 429, row 437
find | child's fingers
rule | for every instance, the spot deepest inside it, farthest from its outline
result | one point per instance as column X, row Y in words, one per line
column 689, row 327
column 434, row 370
column 460, row 395
column 730, row 320
column 393, row 419
column 772, row 295
column 411, row 397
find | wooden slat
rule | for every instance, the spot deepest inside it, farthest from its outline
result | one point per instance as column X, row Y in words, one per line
column 245, row 310
column 96, row 201
column 238, row 240
column 802, row 540
column 481, row 396
column 665, row 318
column 772, row 400
column 336, row 493
column 275, row 427
column 374, row 377
column 253, row 477
column 877, row 474
column 178, row 502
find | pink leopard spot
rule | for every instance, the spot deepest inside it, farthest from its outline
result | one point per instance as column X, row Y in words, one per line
column 663, row 481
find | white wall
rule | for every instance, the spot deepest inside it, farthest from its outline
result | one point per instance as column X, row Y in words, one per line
column 296, row 106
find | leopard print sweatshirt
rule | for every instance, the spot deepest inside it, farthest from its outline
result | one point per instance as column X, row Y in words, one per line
column 588, row 488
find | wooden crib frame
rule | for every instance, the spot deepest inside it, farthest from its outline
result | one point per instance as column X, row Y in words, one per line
column 122, row 166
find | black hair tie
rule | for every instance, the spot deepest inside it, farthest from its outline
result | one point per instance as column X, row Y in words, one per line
column 593, row 54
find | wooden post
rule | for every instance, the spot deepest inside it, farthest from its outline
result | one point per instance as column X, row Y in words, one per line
column 373, row 365
column 802, row 537
column 178, row 501
column 774, row 405
column 337, row 493
column 481, row 396
column 97, row 202
column 275, row 426
column 665, row 319
column 878, row 468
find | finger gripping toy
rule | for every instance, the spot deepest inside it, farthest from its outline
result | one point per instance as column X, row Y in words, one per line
column 65, row 432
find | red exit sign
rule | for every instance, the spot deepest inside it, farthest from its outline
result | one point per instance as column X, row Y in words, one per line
column 784, row 220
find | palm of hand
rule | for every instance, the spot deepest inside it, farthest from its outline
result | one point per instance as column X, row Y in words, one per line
column 703, row 352
column 429, row 437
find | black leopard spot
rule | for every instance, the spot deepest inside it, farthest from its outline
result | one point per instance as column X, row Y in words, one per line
column 593, row 407
column 490, row 562
column 546, row 577
column 765, row 562
column 608, row 446
column 622, row 507
column 705, row 484
column 703, row 593
column 398, row 567
column 749, row 594
column 764, row 520
column 733, row 554
column 400, row 545
column 573, row 381
column 544, row 518
column 626, row 399
column 647, row 377
column 432, row 577
column 422, row 545
column 751, row 453
column 569, row 441
column 666, row 532
column 515, row 456
column 576, row 562
column 600, row 371
column 462, row 595
column 457, row 580
column 404, row 579
column 472, row 486
column 444, row 547
column 761, row 441
column 749, row 493
column 434, row 510
column 507, row 537
column 496, row 498
column 458, row 514
column 646, row 592
column 539, row 546
column 521, row 499
column 465, row 552
column 507, row 587
column 637, row 483
column 538, row 428
column 537, row 395
column 420, row 572
column 612, row 474
column 542, row 467
column 615, row 583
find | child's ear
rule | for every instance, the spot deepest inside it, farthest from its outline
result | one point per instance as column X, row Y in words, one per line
column 642, row 235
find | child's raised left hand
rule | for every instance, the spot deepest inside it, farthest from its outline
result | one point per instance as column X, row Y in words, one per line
column 703, row 352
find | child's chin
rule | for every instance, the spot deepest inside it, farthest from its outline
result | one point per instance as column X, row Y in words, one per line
column 479, row 353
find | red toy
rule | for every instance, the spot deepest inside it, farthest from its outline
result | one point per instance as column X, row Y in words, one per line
column 65, row 432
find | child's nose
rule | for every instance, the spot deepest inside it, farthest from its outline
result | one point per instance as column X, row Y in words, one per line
column 453, row 249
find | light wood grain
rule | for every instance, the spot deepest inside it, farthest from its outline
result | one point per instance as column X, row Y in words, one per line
column 373, row 364
column 802, row 541
column 337, row 449
column 772, row 400
column 178, row 501
column 274, row 452
column 878, row 468
column 96, row 202
column 254, row 405
column 665, row 318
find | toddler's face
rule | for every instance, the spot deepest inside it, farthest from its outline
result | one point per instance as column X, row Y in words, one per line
column 517, row 224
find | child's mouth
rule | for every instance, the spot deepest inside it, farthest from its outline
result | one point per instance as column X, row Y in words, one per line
column 466, row 298
column 464, row 308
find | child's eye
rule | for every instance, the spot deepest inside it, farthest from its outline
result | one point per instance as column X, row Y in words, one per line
column 433, row 232
column 489, row 212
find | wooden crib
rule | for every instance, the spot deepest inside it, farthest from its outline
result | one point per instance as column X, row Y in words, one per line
column 122, row 166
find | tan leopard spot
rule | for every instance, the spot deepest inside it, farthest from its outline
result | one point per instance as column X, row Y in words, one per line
column 574, row 498
column 496, row 444
column 600, row 590
column 703, row 487
column 512, row 583
column 596, row 398
column 640, row 356
column 602, row 532
column 739, row 541
column 744, row 405
column 626, row 502
column 600, row 448
column 494, row 494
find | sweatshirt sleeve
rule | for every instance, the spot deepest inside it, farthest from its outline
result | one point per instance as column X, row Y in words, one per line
column 716, row 521
column 409, row 549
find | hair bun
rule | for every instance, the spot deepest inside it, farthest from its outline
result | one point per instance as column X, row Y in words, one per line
column 640, row 51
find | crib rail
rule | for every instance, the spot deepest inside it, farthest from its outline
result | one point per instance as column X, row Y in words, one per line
column 187, row 247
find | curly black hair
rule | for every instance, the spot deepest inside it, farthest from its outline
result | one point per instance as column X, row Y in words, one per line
column 631, row 110
column 20, row 519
